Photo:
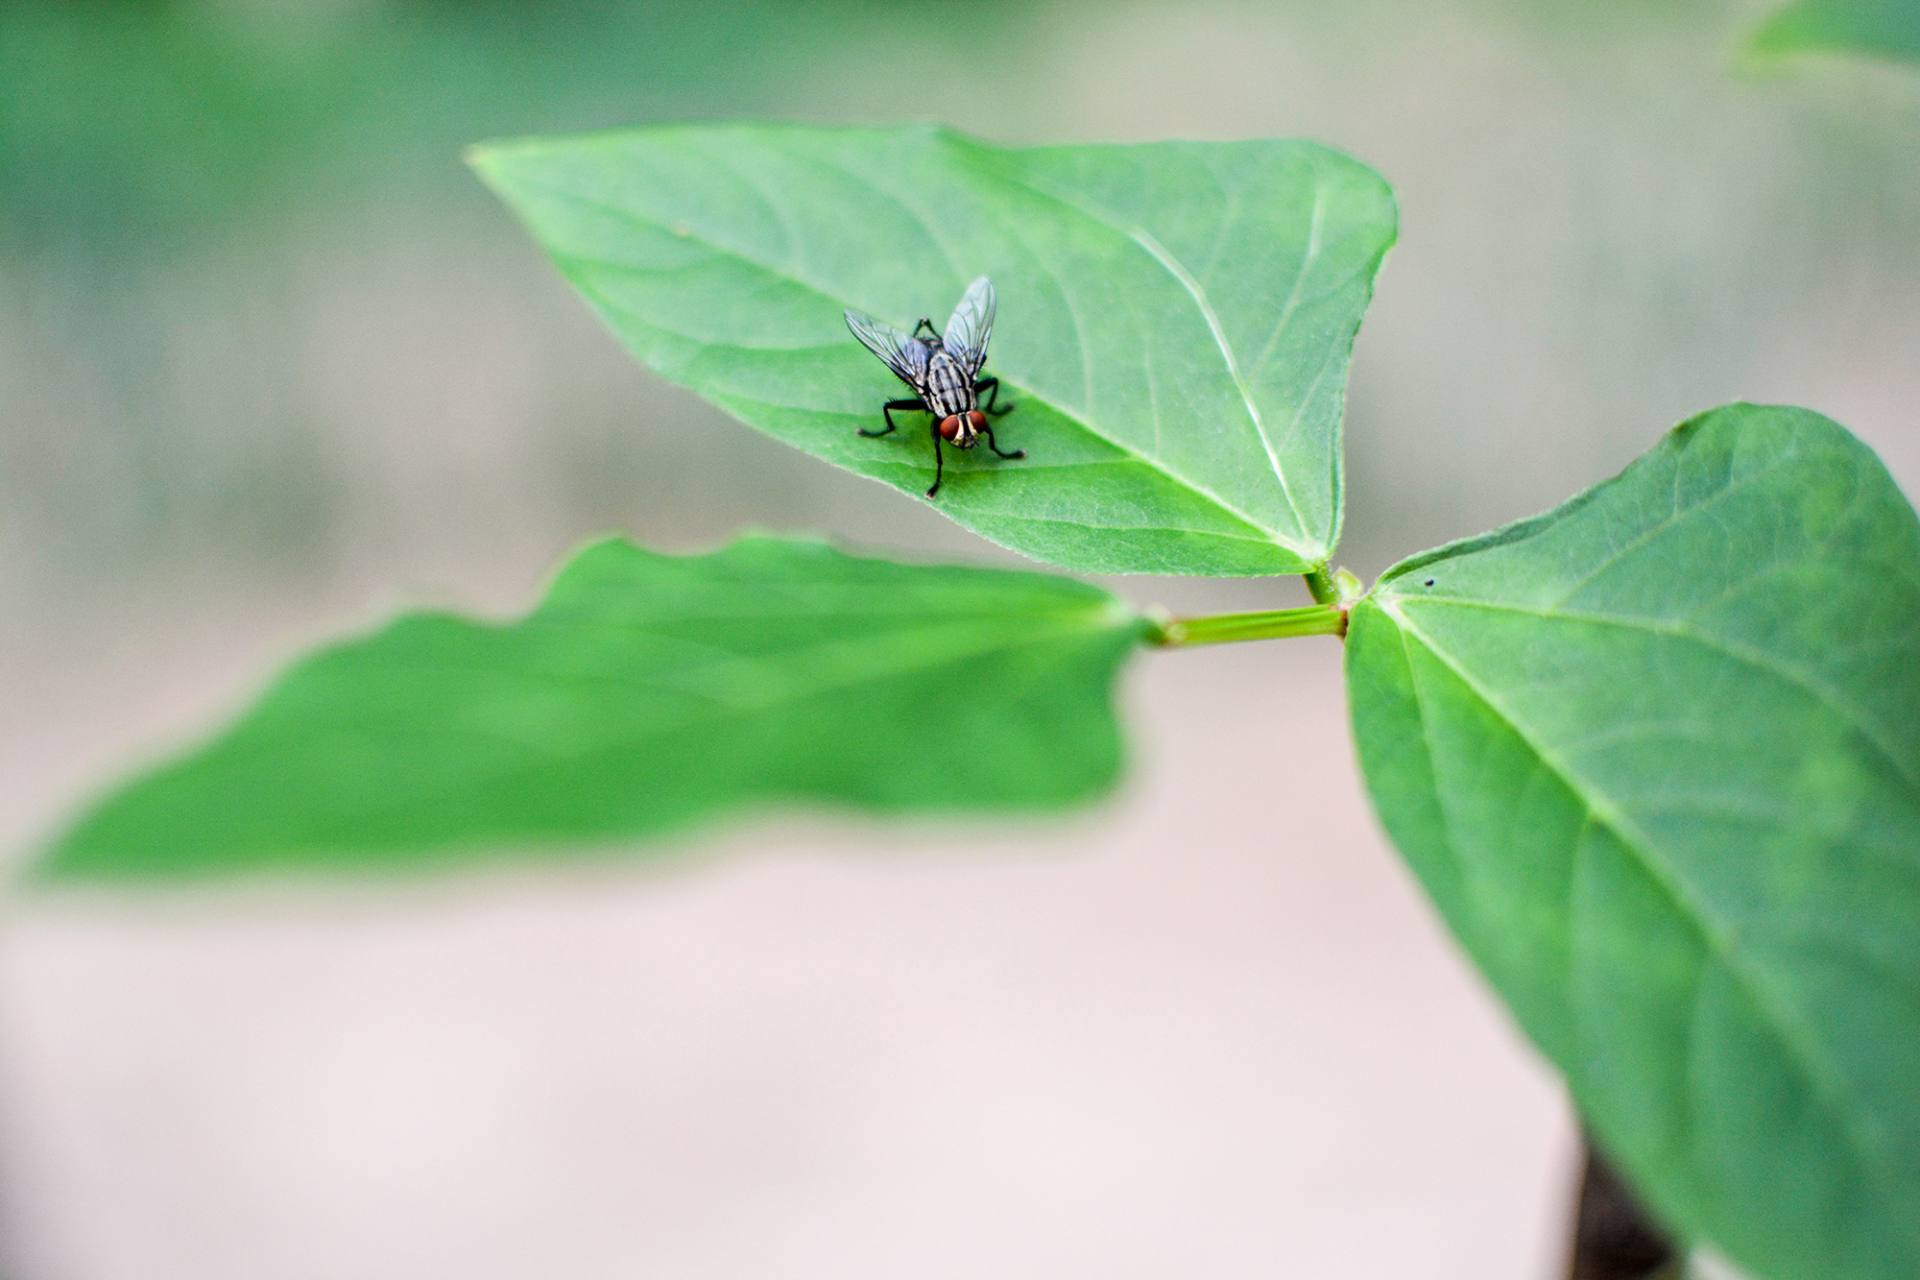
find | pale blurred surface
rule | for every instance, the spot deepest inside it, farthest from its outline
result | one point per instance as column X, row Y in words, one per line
column 1210, row 1029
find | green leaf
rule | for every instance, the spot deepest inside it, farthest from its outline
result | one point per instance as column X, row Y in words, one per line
column 645, row 692
column 1175, row 319
column 1656, row 756
column 1880, row 28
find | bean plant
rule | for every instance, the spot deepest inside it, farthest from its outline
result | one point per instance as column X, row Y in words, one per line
column 1654, row 754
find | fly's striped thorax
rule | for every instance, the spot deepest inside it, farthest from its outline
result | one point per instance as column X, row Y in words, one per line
column 948, row 390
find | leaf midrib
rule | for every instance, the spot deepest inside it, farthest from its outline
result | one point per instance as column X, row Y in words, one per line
column 539, row 755
column 1801, row 1044
column 793, row 275
column 1195, row 290
column 1259, row 535
column 1140, row 237
column 901, row 647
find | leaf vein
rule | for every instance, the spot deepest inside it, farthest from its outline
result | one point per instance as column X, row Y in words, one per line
column 1786, row 1026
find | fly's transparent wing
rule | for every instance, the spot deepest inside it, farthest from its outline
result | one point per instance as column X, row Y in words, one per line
column 971, row 326
column 906, row 355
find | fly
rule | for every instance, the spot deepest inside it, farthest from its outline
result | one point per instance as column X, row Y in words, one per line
column 944, row 371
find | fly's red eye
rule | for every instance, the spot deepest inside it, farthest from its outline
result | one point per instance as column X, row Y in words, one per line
column 978, row 419
column 950, row 427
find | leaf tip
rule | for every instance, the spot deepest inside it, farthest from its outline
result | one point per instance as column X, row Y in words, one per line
column 491, row 159
column 483, row 158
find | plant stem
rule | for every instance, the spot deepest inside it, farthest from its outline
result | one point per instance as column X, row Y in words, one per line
column 1321, row 586
column 1265, row 624
column 1613, row 1237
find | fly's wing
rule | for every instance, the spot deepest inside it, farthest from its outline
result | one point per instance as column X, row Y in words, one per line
column 971, row 326
column 903, row 353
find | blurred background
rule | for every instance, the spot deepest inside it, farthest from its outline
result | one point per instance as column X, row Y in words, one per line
column 273, row 365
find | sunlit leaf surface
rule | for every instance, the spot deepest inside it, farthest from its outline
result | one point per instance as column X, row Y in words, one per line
column 1656, row 755
column 1175, row 318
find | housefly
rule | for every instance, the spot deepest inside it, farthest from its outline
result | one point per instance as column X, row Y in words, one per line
column 944, row 371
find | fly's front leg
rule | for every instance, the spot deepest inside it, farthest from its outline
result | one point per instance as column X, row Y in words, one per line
column 939, row 461
column 886, row 411
column 992, row 388
column 995, row 445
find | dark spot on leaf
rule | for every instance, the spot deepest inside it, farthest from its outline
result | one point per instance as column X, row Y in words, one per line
column 1429, row 581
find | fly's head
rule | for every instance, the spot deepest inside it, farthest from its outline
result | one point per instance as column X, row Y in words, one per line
column 962, row 430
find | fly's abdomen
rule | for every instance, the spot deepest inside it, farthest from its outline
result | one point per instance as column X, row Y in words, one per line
column 949, row 390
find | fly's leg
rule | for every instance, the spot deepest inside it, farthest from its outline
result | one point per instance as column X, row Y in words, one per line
column 939, row 461
column 927, row 324
column 886, row 411
column 992, row 387
column 995, row 445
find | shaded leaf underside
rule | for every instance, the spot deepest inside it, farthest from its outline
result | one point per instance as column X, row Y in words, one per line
column 645, row 692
